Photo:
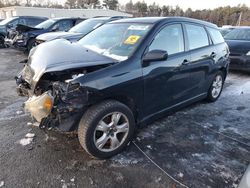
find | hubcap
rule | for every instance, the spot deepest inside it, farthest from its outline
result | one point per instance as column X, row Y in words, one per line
column 111, row 131
column 217, row 86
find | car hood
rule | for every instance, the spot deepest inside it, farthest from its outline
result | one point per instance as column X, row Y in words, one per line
column 59, row 55
column 24, row 28
column 238, row 46
column 56, row 35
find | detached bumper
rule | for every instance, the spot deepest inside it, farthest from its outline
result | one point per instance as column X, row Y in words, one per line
column 241, row 63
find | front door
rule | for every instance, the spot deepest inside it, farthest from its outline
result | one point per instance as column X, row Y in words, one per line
column 167, row 83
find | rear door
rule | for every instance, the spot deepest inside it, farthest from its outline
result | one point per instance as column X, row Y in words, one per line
column 203, row 55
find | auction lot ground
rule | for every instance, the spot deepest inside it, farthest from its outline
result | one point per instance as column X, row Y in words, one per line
column 204, row 145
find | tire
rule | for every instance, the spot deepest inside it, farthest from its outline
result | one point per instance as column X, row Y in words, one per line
column 217, row 85
column 99, row 137
column 30, row 44
column 2, row 45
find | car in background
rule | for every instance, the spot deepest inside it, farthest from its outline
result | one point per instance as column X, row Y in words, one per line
column 238, row 41
column 11, row 23
column 124, row 73
column 78, row 31
column 226, row 30
column 25, row 39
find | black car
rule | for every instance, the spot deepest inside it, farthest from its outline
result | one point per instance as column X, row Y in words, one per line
column 238, row 41
column 11, row 23
column 77, row 32
column 25, row 39
column 123, row 74
column 226, row 30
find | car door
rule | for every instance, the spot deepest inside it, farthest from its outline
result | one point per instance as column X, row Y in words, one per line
column 166, row 83
column 203, row 55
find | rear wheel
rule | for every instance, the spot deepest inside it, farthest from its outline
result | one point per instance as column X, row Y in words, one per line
column 105, row 129
column 215, row 89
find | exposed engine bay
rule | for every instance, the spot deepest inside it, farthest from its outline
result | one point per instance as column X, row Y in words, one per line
column 54, row 101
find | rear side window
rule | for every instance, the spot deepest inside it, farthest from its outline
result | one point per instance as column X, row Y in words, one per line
column 197, row 36
column 169, row 39
column 216, row 35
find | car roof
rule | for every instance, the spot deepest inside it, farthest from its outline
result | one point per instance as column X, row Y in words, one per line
column 104, row 18
column 69, row 18
column 40, row 17
column 154, row 20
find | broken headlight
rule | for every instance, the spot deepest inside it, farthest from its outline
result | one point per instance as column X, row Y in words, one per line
column 40, row 106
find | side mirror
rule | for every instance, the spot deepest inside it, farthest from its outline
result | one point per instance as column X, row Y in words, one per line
column 155, row 55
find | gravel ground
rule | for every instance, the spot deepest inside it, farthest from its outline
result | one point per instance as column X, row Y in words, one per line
column 204, row 145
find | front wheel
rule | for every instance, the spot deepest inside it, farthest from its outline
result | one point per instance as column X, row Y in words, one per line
column 105, row 129
column 31, row 43
column 215, row 89
column 2, row 45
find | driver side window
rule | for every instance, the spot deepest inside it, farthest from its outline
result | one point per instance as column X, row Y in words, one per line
column 63, row 25
column 169, row 39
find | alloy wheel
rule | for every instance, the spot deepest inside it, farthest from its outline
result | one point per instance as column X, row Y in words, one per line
column 111, row 132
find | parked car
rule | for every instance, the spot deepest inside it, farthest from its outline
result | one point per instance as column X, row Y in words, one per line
column 78, row 31
column 226, row 30
column 238, row 41
column 25, row 39
column 123, row 74
column 11, row 23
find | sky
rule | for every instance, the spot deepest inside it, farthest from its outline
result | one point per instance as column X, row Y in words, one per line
column 195, row 4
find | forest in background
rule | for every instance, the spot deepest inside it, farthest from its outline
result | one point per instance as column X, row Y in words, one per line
column 221, row 16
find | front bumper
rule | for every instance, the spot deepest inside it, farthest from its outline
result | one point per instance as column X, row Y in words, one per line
column 68, row 103
column 241, row 62
column 16, row 43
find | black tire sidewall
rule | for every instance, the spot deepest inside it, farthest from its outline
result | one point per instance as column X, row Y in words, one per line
column 2, row 45
column 210, row 96
column 30, row 44
column 92, row 149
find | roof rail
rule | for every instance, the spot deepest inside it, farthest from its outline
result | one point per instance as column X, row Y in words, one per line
column 118, row 17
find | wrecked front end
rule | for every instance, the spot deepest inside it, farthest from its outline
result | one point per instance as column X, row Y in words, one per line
column 61, row 106
column 48, row 79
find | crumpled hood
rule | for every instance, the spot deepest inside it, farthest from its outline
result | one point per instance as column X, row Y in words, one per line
column 56, row 35
column 60, row 54
column 24, row 28
column 238, row 46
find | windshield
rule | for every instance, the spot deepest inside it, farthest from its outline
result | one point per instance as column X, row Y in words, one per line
column 46, row 24
column 238, row 34
column 6, row 21
column 86, row 26
column 117, row 40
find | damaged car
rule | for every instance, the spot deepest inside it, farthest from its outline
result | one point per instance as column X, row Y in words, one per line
column 123, row 74
column 26, row 36
column 78, row 31
column 9, row 24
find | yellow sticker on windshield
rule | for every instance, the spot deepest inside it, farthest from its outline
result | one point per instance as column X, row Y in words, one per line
column 132, row 39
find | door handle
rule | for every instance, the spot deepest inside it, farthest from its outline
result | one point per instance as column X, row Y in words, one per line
column 185, row 62
column 213, row 55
